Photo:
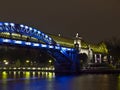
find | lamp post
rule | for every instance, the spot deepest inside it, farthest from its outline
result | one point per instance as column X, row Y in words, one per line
column 50, row 61
column 27, row 62
column 5, row 62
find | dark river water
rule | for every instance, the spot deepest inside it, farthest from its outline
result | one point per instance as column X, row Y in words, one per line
column 48, row 81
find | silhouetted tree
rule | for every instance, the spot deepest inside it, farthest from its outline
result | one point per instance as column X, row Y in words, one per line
column 113, row 46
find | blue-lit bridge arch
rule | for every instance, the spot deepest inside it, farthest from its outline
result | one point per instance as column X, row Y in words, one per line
column 25, row 30
column 66, row 58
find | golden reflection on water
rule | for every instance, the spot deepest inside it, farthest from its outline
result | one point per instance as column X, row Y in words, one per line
column 25, row 75
column 4, row 75
column 33, row 73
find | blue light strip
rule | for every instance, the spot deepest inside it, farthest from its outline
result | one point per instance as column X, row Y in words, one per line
column 39, row 45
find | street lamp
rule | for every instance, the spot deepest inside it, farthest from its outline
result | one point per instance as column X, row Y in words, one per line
column 27, row 61
column 50, row 61
column 5, row 62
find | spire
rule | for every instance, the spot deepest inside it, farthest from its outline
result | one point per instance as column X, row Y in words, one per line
column 77, row 35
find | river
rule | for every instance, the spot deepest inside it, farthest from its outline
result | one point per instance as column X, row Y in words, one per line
column 48, row 81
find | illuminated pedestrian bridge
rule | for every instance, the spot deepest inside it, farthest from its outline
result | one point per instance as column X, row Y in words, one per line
column 66, row 53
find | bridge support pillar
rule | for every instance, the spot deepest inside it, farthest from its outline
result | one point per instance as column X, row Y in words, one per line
column 76, row 62
column 71, row 67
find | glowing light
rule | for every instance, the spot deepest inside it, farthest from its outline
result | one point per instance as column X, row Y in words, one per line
column 39, row 68
column 53, row 68
column 50, row 46
column 36, row 44
column 30, row 28
column 39, row 32
column 28, row 43
column 14, row 73
column 33, row 74
column 46, row 36
column 46, row 68
column 26, row 27
column 42, row 34
column 18, row 68
column 21, row 25
column 33, row 68
column 63, row 48
column 1, row 24
column 12, row 24
column 23, row 68
column 14, row 68
column 35, row 30
column 4, row 75
column 28, row 68
column 69, row 49
column 4, row 68
column 50, row 75
column 27, row 75
column 18, row 42
column 6, row 40
column 50, row 61
column 6, row 63
column 6, row 24
column 27, row 61
column 43, row 45
column 50, row 38
column 57, row 47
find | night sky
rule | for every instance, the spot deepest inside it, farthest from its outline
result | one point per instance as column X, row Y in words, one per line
column 94, row 20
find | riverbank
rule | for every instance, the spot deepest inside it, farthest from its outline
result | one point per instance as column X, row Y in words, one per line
column 83, row 71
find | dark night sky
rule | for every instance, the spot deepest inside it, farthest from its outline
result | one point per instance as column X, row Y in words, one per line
column 94, row 20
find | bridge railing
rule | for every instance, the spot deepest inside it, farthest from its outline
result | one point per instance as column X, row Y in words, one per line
column 33, row 44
